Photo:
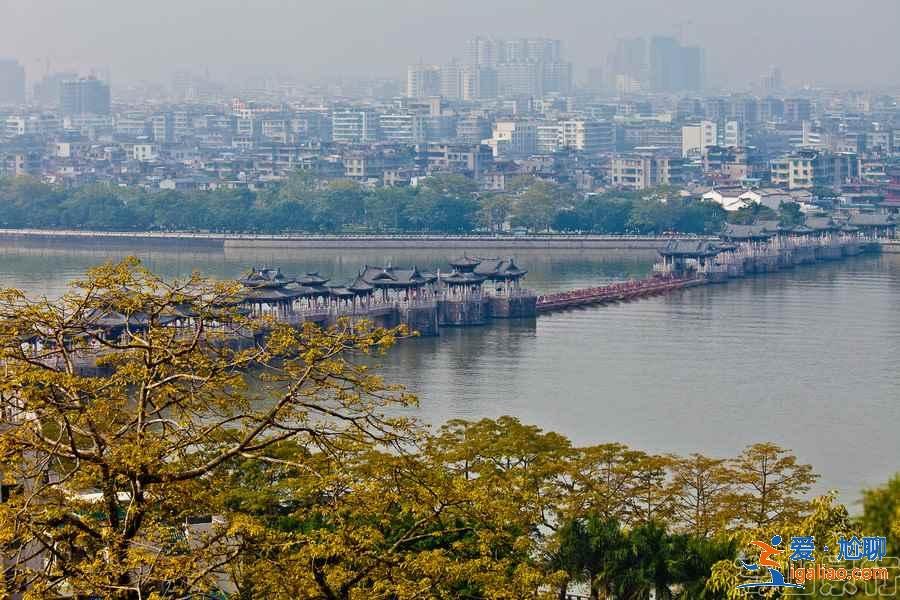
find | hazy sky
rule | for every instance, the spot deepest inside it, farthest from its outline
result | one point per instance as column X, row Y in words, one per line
column 833, row 41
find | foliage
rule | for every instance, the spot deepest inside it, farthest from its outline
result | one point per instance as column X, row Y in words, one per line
column 158, row 443
column 111, row 467
column 302, row 203
column 881, row 513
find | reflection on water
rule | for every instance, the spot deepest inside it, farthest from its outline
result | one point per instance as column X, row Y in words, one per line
column 809, row 358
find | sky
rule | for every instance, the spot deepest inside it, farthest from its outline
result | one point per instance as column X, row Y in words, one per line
column 846, row 42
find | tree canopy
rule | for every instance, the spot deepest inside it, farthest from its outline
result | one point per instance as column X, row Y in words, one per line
column 450, row 204
column 156, row 442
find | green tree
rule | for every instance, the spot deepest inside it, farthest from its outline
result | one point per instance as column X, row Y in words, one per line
column 747, row 215
column 881, row 513
column 536, row 206
column 789, row 214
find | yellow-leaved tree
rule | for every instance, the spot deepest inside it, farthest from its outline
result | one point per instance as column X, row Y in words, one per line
column 128, row 404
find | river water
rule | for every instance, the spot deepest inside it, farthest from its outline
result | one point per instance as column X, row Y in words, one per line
column 808, row 358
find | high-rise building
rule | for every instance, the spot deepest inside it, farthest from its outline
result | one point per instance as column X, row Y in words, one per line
column 478, row 82
column 12, row 82
column 520, row 67
column 482, row 51
column 520, row 79
column 47, row 91
column 674, row 67
column 797, row 110
column 84, row 96
column 627, row 66
column 557, row 77
column 423, row 81
column 771, row 82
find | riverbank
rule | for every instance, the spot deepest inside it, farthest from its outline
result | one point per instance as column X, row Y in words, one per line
column 298, row 241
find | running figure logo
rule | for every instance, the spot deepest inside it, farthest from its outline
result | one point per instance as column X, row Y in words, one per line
column 765, row 560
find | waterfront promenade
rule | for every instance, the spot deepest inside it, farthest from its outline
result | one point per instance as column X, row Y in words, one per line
column 300, row 241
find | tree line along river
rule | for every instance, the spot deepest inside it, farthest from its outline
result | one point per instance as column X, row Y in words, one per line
column 807, row 358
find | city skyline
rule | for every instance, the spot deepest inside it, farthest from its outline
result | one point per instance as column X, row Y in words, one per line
column 280, row 37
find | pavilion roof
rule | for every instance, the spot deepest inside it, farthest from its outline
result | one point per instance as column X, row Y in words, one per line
column 732, row 231
column 312, row 279
column 820, row 223
column 465, row 263
column 259, row 277
column 393, row 277
column 360, row 286
column 270, row 294
column 340, row 291
column 457, row 277
column 871, row 220
column 500, row 268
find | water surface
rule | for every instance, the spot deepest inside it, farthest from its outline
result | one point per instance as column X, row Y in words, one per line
column 808, row 358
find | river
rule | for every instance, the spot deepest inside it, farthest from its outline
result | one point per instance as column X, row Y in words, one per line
column 808, row 358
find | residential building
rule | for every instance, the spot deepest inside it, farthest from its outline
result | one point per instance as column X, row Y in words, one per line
column 473, row 129
column 12, row 82
column 674, row 67
column 697, row 137
column 47, row 91
column 520, row 79
column 588, row 136
column 402, row 127
column 470, row 159
column 803, row 170
column 354, row 126
column 423, row 81
column 797, row 110
column 84, row 96
column 735, row 134
column 646, row 169
column 482, row 52
column 513, row 138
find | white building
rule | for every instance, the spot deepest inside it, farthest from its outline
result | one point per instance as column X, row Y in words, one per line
column 696, row 138
column 513, row 138
column 735, row 135
column 590, row 136
column 145, row 152
column 354, row 127
column 736, row 198
column 402, row 128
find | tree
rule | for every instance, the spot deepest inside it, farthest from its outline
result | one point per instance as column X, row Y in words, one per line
column 537, row 206
column 595, row 550
column 444, row 203
column 108, row 469
column 881, row 513
column 394, row 526
column 386, row 208
column 495, row 210
column 789, row 214
column 747, row 215
column 702, row 488
column 773, row 485
column 651, row 216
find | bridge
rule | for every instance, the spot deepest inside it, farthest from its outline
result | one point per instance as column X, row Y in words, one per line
column 615, row 292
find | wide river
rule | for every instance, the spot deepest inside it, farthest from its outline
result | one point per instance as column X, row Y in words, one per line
column 808, row 359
